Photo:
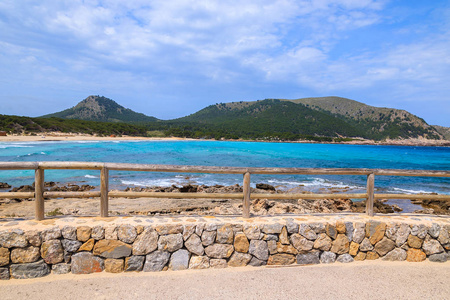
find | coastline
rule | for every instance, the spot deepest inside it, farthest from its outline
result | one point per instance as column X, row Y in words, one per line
column 55, row 136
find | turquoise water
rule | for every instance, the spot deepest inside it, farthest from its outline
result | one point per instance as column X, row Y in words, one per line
column 244, row 154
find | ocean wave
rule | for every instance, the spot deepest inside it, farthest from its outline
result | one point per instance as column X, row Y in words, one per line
column 410, row 191
column 91, row 176
column 14, row 146
column 314, row 183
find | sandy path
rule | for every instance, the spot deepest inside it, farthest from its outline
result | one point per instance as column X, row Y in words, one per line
column 358, row 280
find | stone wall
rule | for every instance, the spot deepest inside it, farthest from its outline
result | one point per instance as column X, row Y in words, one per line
column 198, row 244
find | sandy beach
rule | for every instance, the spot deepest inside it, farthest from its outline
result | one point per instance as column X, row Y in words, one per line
column 357, row 280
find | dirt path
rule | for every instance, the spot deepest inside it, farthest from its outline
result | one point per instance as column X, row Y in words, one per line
column 358, row 280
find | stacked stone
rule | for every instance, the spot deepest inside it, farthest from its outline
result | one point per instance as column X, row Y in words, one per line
column 84, row 249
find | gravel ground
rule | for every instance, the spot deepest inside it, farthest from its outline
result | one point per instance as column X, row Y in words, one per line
column 358, row 280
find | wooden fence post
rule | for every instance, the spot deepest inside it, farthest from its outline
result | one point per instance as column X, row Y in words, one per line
column 104, row 188
column 39, row 194
column 246, row 200
column 370, row 194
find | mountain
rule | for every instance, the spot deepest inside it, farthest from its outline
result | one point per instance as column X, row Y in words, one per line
column 101, row 109
column 445, row 131
column 326, row 116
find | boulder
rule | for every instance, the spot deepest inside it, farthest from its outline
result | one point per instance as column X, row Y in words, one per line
column 331, row 231
column 29, row 270
column 134, row 263
column 208, row 238
column 194, row 245
column 384, row 246
column 169, row 229
column 414, row 242
column 199, row 228
column 87, row 246
column 126, row 233
column 434, row 230
column 349, row 231
column 156, row 261
column 4, row 256
column 71, row 245
column 281, row 259
column 372, row 255
column 220, row 250
column 225, row 234
column 259, row 249
column 113, row 265
column 391, row 231
column 415, row 255
column 199, row 262
column 340, row 226
column 83, row 233
column 375, row 231
column 86, row 263
column 69, row 232
column 419, row 230
column 301, row 243
column 188, row 230
column 61, row 268
column 51, row 234
column 179, row 260
column 52, row 251
column 359, row 233
column 239, row 259
column 4, row 273
column 24, row 255
column 34, row 238
column 402, row 234
column 283, row 236
column 308, row 258
column 170, row 242
column 111, row 233
column 217, row 263
column 327, row 257
column 360, row 256
column 431, row 246
column 289, row 249
column 252, row 231
column 397, row 254
column 241, row 243
column 340, row 244
column 354, row 247
column 317, row 227
column 98, row 232
column 13, row 238
column 345, row 258
column 146, row 242
column 254, row 262
column 112, row 249
column 272, row 228
column 291, row 226
column 365, row 245
column 306, row 231
column 440, row 257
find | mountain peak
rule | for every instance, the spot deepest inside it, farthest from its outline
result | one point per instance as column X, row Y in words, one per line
column 102, row 109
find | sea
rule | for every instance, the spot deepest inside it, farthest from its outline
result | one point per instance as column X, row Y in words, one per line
column 239, row 154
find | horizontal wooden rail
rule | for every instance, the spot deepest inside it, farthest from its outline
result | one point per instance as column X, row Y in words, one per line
column 39, row 194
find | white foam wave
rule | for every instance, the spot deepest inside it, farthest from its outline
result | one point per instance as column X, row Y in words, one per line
column 410, row 191
column 91, row 176
column 14, row 146
column 314, row 182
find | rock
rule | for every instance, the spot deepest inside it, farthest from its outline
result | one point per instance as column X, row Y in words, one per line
column 254, row 262
column 360, row 256
column 272, row 228
column 395, row 255
column 239, row 259
column 259, row 249
column 112, row 249
column 371, row 255
column 415, row 255
column 156, row 261
column 4, row 273
column 134, row 263
column 286, row 249
column 340, row 226
column 308, row 258
column 86, row 263
column 52, row 252
column 354, row 247
column 283, row 236
column 441, row 257
column 51, row 234
column 33, row 237
column 349, row 231
column 306, row 231
column 98, row 232
column 264, row 186
column 218, row 263
column 291, row 226
column 272, row 245
column 83, row 233
column 199, row 262
column 431, row 246
column 345, row 258
column 316, row 227
column 281, row 259
column 146, row 242
column 391, row 231
column 111, row 233
column 220, row 250
column 87, row 246
column 13, row 238
column 71, row 245
column 126, row 233
column 225, row 234
column 444, row 236
column 365, row 245
column 194, row 245
column 359, row 233
column 188, row 230
column 402, row 234
column 114, row 265
column 199, row 228
column 384, row 246
column 419, row 230
column 208, row 238
column 29, row 270
column 340, row 244
column 331, row 231
column 170, row 242
column 241, row 243
column 375, row 231
column 414, row 242
column 169, row 229
column 252, row 231
column 139, row 229
column 24, row 255
column 4, row 256
column 301, row 243
column 327, row 257
column 434, row 230
column 61, row 268
column 270, row 237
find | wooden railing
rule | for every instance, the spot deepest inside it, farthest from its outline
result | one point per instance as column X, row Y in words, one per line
column 39, row 194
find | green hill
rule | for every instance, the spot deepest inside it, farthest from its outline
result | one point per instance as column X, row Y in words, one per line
column 101, row 109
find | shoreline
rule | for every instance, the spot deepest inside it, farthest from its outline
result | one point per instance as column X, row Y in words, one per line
column 53, row 137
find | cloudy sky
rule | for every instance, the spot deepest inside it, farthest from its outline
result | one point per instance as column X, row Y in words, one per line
column 171, row 58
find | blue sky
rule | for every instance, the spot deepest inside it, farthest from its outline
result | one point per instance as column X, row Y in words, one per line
column 171, row 58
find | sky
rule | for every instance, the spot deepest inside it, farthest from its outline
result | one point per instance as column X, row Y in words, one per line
column 169, row 59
